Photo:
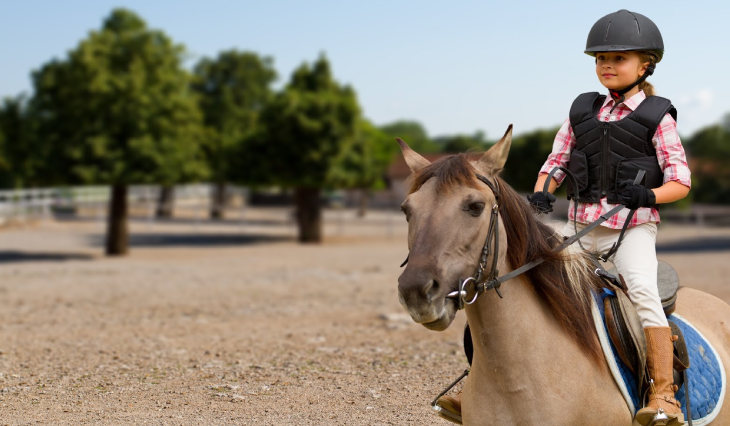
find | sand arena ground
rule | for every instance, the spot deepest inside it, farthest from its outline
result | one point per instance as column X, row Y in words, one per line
column 235, row 323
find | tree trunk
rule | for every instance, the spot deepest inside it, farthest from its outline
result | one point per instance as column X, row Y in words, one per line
column 364, row 199
column 165, row 202
column 219, row 201
column 309, row 215
column 117, row 236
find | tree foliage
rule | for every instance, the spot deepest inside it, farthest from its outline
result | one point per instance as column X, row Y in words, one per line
column 233, row 90
column 19, row 160
column 413, row 133
column 364, row 162
column 527, row 155
column 462, row 143
column 4, row 164
column 118, row 109
column 304, row 130
column 709, row 149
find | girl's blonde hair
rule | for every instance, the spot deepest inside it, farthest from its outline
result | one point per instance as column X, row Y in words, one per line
column 647, row 56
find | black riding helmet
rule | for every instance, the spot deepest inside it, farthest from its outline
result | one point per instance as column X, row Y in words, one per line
column 625, row 31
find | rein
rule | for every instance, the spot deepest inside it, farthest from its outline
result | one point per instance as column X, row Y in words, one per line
column 492, row 240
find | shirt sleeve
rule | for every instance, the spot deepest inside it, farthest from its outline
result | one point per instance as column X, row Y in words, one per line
column 670, row 153
column 560, row 155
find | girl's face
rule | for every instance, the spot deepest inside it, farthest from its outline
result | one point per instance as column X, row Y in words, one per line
column 617, row 70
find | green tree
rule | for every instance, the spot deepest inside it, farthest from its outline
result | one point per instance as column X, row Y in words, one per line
column 18, row 160
column 527, row 155
column 412, row 132
column 363, row 163
column 119, row 110
column 233, row 90
column 709, row 147
column 305, row 127
column 462, row 143
column 5, row 177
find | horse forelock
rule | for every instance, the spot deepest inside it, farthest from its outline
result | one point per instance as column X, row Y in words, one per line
column 564, row 281
column 449, row 172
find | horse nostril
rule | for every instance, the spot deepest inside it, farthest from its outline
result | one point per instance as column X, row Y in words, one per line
column 432, row 289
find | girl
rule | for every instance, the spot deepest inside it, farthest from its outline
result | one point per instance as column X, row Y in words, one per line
column 605, row 142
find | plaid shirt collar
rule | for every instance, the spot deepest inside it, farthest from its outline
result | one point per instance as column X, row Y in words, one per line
column 632, row 103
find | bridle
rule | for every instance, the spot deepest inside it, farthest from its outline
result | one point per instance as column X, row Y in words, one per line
column 492, row 281
column 491, row 241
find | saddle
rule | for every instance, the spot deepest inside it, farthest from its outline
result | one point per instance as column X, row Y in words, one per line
column 624, row 326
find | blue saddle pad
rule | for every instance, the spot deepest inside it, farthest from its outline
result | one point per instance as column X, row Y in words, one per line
column 705, row 375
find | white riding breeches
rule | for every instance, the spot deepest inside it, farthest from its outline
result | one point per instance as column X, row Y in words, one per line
column 635, row 260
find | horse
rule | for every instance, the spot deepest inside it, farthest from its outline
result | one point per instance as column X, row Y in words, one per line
column 537, row 359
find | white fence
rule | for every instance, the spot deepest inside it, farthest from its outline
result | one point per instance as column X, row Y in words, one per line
column 41, row 203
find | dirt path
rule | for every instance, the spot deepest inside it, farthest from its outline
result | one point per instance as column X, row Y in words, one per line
column 227, row 324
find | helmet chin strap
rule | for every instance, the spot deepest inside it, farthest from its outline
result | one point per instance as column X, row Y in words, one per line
column 619, row 95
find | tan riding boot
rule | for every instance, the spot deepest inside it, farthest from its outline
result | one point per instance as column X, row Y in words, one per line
column 659, row 351
column 450, row 408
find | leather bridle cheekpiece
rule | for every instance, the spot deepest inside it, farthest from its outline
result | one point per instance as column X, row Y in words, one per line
column 492, row 241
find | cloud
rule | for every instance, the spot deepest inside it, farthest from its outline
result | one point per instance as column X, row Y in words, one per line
column 701, row 99
column 697, row 110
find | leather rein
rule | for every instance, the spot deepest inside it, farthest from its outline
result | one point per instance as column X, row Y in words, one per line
column 492, row 241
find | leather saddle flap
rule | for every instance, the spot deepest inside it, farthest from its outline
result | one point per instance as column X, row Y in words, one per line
column 681, row 355
column 626, row 332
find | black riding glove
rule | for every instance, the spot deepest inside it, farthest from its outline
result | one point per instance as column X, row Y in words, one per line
column 635, row 196
column 541, row 201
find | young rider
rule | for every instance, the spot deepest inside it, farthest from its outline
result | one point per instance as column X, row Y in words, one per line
column 605, row 142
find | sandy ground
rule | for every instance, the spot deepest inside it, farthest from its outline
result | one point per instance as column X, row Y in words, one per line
column 206, row 324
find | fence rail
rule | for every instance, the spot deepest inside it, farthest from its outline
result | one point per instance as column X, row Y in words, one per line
column 30, row 204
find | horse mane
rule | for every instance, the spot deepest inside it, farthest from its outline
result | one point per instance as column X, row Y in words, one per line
column 564, row 280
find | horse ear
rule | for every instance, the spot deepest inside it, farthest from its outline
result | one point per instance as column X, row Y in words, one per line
column 493, row 160
column 414, row 160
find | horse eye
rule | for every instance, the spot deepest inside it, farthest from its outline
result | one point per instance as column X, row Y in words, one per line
column 476, row 209
column 405, row 212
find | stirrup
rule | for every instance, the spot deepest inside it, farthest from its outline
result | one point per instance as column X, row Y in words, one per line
column 662, row 419
column 446, row 414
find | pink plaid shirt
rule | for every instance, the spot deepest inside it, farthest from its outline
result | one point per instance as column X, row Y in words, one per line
column 669, row 151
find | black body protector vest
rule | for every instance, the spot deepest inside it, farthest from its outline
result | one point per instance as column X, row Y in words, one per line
column 607, row 153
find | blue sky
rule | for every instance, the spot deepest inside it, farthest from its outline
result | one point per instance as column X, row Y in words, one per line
column 457, row 67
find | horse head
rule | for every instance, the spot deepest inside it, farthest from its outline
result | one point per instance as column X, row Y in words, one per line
column 448, row 213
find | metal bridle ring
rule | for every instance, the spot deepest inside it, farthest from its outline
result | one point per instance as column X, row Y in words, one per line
column 462, row 292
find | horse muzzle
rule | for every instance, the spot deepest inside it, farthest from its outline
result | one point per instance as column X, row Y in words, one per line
column 425, row 300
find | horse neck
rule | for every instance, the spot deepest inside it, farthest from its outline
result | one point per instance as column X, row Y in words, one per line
column 523, row 358
column 517, row 329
